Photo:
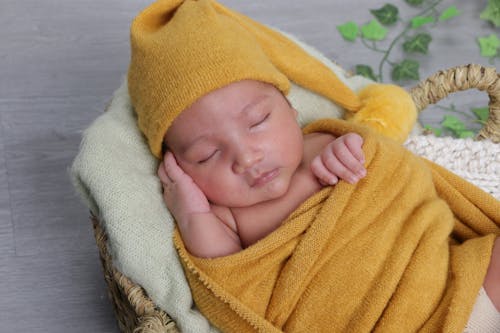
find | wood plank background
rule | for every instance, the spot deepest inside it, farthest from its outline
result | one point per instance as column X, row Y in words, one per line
column 60, row 62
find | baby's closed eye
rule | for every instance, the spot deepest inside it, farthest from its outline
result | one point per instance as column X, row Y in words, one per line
column 261, row 120
column 207, row 156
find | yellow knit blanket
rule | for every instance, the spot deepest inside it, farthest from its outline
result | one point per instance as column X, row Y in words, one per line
column 405, row 249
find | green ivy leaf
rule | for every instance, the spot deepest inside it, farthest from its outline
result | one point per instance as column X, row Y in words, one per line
column 414, row 2
column 348, row 30
column 366, row 71
column 492, row 12
column 418, row 43
column 406, row 70
column 373, row 31
column 481, row 113
column 453, row 124
column 436, row 131
column 465, row 134
column 386, row 15
column 489, row 45
column 419, row 21
column 449, row 13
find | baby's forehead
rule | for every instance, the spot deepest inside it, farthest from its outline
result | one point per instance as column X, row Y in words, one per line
column 214, row 110
column 197, row 131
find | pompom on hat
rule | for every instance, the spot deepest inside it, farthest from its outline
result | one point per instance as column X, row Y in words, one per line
column 182, row 50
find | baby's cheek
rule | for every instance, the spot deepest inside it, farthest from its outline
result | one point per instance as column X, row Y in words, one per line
column 218, row 190
column 278, row 188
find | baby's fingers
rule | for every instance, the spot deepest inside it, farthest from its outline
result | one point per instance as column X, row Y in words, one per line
column 162, row 174
column 324, row 176
column 348, row 151
column 172, row 169
column 354, row 142
column 337, row 159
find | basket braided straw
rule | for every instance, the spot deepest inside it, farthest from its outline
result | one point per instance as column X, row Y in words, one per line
column 136, row 312
column 441, row 84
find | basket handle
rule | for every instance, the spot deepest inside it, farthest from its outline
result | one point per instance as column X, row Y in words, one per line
column 460, row 78
column 157, row 322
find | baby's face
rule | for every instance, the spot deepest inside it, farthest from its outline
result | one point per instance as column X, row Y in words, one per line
column 241, row 144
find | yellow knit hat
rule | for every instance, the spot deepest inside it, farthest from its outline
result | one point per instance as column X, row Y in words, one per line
column 182, row 50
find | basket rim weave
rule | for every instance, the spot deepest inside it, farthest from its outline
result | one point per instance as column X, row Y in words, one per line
column 135, row 311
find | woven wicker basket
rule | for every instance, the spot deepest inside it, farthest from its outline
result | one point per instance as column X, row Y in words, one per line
column 134, row 310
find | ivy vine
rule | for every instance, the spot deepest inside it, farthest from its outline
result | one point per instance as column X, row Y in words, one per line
column 413, row 39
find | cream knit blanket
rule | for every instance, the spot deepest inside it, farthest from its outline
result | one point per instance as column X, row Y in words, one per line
column 476, row 161
column 115, row 174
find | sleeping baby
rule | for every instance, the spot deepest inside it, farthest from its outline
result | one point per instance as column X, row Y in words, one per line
column 247, row 161
column 237, row 155
column 327, row 228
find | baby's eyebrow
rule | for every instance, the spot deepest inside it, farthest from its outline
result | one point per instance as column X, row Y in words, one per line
column 185, row 147
column 254, row 103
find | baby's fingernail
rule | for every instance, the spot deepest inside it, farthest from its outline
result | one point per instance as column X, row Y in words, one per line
column 353, row 179
column 361, row 173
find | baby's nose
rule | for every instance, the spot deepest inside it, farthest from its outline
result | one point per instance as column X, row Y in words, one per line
column 246, row 159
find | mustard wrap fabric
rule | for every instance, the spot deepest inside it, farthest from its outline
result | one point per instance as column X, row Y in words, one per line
column 405, row 249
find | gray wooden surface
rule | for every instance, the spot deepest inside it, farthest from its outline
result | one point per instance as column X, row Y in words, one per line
column 60, row 61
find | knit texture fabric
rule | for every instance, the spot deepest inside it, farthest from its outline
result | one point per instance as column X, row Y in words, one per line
column 129, row 201
column 129, row 204
column 484, row 318
column 182, row 50
column 376, row 256
column 476, row 161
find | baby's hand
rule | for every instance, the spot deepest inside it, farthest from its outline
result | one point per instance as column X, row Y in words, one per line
column 181, row 194
column 343, row 158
